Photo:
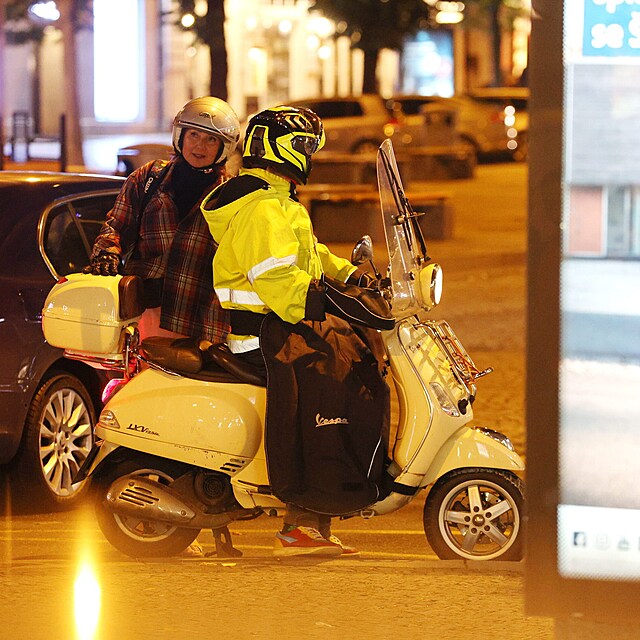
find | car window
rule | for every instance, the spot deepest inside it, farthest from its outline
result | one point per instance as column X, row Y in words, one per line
column 411, row 106
column 518, row 103
column 70, row 230
column 336, row 109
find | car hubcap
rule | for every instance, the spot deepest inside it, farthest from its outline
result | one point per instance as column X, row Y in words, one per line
column 65, row 439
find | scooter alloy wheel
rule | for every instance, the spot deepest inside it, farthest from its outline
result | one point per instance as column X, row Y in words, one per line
column 133, row 536
column 475, row 514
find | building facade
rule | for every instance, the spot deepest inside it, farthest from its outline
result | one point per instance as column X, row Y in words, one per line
column 136, row 67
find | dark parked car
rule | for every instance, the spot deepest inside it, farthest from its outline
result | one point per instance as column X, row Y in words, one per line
column 48, row 404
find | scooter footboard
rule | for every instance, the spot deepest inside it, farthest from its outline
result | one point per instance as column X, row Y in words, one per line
column 471, row 447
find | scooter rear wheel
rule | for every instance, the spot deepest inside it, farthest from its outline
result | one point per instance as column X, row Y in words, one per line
column 475, row 514
column 133, row 536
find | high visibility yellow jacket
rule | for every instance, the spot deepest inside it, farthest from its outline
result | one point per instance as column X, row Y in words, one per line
column 267, row 253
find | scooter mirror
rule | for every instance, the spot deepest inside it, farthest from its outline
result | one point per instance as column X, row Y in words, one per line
column 363, row 251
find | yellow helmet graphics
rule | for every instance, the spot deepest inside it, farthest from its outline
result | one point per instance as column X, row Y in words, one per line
column 284, row 138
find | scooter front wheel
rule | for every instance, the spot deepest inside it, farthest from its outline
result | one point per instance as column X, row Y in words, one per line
column 475, row 514
column 131, row 535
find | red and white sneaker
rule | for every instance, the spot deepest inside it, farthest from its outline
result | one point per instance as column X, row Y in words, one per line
column 304, row 541
column 347, row 550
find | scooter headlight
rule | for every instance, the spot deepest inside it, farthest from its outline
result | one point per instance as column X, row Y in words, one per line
column 431, row 285
column 108, row 420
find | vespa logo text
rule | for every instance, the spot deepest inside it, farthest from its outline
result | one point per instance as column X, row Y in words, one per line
column 142, row 429
column 323, row 422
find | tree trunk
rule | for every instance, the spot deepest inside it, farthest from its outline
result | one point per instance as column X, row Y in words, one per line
column 369, row 81
column 3, row 44
column 217, row 49
column 75, row 156
column 496, row 42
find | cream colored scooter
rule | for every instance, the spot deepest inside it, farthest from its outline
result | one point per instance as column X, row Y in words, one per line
column 179, row 444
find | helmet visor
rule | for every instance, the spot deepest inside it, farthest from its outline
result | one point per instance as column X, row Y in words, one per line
column 307, row 143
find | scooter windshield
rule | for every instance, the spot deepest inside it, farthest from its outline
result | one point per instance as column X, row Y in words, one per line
column 405, row 243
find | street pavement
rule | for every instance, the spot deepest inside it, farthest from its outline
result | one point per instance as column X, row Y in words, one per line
column 397, row 589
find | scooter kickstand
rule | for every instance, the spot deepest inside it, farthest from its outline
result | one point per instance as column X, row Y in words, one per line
column 224, row 546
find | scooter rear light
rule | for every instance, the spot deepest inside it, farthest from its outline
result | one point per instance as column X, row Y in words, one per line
column 111, row 388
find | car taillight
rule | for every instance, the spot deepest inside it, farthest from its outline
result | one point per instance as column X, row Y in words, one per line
column 111, row 388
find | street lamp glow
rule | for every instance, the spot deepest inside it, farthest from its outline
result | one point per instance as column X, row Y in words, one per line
column 321, row 26
column 324, row 52
column 45, row 11
column 449, row 17
column 285, row 27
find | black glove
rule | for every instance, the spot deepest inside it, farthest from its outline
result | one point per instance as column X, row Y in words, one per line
column 362, row 279
column 355, row 304
column 104, row 264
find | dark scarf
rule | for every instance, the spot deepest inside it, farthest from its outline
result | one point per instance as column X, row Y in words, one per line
column 189, row 184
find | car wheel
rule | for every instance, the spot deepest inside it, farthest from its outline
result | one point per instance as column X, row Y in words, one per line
column 57, row 438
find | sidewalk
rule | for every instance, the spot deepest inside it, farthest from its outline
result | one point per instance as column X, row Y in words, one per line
column 100, row 153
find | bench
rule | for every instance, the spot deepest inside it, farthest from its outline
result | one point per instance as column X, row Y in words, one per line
column 23, row 136
column 416, row 164
column 344, row 214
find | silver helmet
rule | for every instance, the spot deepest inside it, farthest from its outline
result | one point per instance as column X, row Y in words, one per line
column 213, row 116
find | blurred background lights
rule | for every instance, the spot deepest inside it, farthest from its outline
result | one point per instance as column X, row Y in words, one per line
column 324, row 52
column 285, row 27
column 322, row 27
column 187, row 20
column 44, row 11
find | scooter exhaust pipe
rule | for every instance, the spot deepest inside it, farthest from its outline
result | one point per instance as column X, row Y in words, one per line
column 147, row 499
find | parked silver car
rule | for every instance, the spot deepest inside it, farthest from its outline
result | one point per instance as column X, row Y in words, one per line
column 480, row 123
column 352, row 124
column 514, row 103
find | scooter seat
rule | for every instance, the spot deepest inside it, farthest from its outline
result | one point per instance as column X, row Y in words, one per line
column 181, row 355
column 201, row 360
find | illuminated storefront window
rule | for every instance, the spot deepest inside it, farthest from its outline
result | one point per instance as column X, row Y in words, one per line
column 118, row 60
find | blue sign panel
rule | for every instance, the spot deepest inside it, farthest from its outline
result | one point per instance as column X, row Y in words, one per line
column 611, row 28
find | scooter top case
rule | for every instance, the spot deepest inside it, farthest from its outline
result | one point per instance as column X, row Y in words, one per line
column 86, row 315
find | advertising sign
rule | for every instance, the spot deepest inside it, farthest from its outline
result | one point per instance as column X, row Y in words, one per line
column 611, row 28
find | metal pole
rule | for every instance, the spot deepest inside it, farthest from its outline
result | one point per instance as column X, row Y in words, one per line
column 1, row 132
column 63, row 142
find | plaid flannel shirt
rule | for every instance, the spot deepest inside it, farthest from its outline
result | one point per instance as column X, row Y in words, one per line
column 179, row 251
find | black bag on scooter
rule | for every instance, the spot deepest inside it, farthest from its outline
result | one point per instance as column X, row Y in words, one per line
column 327, row 417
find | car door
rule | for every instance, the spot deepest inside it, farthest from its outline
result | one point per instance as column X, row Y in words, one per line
column 36, row 251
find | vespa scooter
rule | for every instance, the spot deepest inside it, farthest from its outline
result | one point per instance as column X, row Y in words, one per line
column 180, row 447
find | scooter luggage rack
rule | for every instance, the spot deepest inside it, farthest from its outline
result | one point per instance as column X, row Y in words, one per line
column 446, row 339
column 111, row 364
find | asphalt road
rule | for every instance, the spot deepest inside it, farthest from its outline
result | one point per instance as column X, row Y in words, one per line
column 397, row 588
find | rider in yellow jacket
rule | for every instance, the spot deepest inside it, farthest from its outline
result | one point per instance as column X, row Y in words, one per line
column 268, row 259
column 270, row 270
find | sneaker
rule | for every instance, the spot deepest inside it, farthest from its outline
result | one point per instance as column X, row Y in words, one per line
column 347, row 550
column 304, row 541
